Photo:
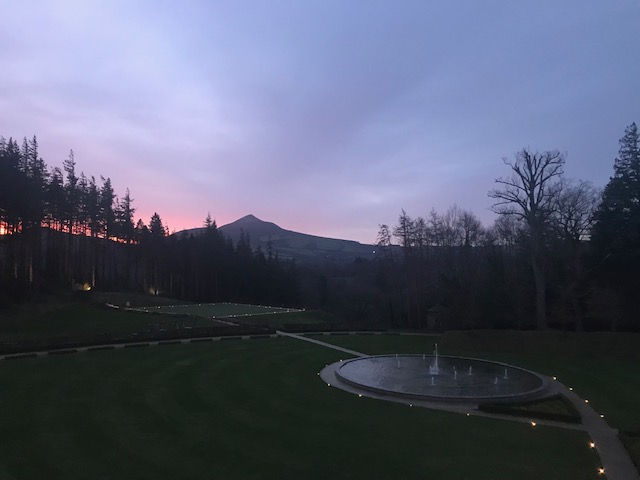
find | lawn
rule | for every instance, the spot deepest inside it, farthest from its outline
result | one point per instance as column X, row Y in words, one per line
column 209, row 310
column 249, row 409
column 83, row 320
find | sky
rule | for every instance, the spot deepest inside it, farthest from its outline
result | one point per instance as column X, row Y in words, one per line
column 325, row 117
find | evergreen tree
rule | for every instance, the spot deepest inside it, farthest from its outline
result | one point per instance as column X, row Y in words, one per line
column 156, row 228
column 107, row 213
column 124, row 218
column 616, row 233
column 72, row 193
column 617, row 227
column 55, row 199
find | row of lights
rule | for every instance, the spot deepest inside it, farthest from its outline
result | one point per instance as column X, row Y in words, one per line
column 533, row 424
column 592, row 444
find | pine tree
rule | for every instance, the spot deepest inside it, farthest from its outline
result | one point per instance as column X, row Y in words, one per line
column 72, row 193
column 107, row 214
column 616, row 233
column 124, row 218
column 617, row 227
column 156, row 228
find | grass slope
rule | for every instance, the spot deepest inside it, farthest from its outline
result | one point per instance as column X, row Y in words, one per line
column 251, row 409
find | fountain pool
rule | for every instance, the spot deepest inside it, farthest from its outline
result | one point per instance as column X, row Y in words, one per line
column 438, row 378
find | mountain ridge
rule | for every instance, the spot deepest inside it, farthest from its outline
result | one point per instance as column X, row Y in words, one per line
column 291, row 245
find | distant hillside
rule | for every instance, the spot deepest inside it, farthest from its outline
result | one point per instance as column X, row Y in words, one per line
column 291, row 245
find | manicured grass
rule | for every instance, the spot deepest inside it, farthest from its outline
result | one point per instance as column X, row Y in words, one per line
column 209, row 310
column 248, row 409
column 382, row 344
column 79, row 321
column 555, row 407
column 74, row 319
column 631, row 441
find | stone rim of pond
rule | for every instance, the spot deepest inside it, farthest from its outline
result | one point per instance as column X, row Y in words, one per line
column 408, row 376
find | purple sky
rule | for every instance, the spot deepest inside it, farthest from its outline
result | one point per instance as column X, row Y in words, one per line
column 325, row 117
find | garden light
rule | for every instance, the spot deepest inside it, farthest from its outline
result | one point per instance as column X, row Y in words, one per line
column 601, row 471
column 592, row 445
column 533, row 424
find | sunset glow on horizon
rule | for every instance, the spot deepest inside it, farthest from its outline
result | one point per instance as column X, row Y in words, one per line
column 325, row 118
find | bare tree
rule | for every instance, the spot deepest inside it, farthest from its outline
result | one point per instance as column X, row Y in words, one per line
column 574, row 218
column 530, row 194
column 470, row 227
column 576, row 207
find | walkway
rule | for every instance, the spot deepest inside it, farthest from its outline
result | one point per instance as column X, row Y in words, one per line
column 323, row 344
column 615, row 460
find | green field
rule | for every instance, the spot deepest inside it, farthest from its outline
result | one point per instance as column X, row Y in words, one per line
column 249, row 409
column 217, row 310
column 84, row 320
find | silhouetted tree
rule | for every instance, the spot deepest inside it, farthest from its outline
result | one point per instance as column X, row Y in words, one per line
column 616, row 232
column 530, row 194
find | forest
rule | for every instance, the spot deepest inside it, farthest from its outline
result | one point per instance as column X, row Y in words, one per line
column 61, row 232
column 561, row 253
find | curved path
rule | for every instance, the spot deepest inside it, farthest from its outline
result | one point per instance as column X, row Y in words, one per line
column 615, row 460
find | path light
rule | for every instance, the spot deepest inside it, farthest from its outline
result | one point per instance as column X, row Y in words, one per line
column 592, row 445
column 555, row 378
column 328, row 384
column 586, row 401
column 571, row 388
column 601, row 471
column 360, row 395
column 601, row 416
column 533, row 424
column 468, row 414
column 411, row 404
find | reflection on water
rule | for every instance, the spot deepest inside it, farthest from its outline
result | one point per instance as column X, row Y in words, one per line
column 458, row 377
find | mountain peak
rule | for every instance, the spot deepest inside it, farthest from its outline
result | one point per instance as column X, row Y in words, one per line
column 251, row 225
column 249, row 218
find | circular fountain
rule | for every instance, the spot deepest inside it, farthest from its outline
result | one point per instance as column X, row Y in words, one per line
column 438, row 378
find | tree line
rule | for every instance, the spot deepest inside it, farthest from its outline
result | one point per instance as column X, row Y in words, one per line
column 65, row 229
column 561, row 253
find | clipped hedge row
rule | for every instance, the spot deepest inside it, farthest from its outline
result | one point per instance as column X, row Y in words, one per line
column 522, row 409
column 67, row 342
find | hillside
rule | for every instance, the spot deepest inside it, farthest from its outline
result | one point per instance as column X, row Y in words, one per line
column 288, row 244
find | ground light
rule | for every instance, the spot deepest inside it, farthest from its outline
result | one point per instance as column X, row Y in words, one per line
column 601, row 471
column 592, row 445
